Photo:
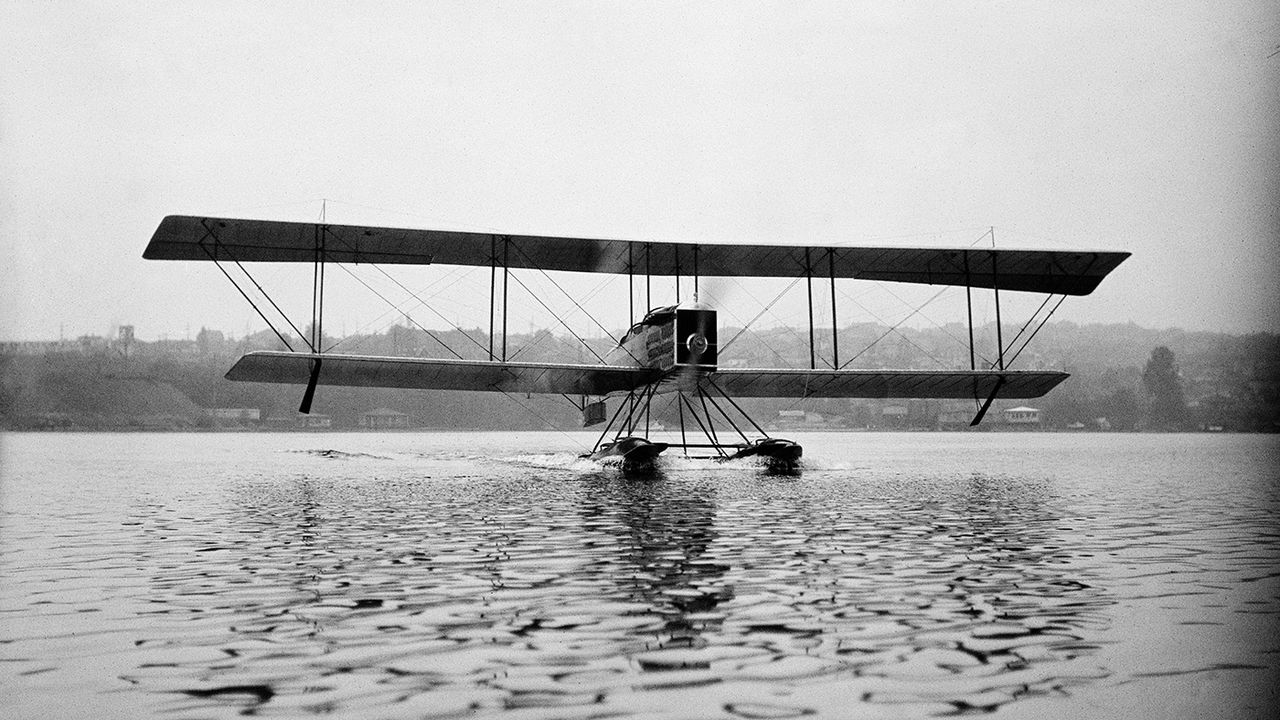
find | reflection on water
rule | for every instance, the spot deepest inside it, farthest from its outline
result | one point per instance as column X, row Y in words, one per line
column 546, row 591
column 376, row 583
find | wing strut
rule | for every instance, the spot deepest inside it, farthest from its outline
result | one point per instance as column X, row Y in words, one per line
column 317, row 315
column 995, row 287
column 835, row 327
column 808, row 284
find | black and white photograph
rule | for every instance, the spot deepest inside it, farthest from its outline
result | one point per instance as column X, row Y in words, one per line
column 575, row 360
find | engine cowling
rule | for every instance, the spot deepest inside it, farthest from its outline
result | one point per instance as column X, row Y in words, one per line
column 695, row 341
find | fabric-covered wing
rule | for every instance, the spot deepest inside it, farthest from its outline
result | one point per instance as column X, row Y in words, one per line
column 397, row 372
column 885, row 383
column 1045, row 271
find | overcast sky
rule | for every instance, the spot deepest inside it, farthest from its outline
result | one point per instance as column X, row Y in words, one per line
column 1150, row 127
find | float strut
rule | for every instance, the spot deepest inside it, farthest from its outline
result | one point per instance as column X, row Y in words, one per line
column 982, row 412
column 309, row 395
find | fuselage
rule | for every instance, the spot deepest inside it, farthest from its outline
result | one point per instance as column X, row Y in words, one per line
column 674, row 339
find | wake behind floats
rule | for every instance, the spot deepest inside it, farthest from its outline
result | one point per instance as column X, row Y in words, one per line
column 673, row 351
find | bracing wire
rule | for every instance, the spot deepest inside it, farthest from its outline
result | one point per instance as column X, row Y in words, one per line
column 932, row 322
column 1037, row 330
column 395, row 308
column 576, row 304
column 587, row 298
column 253, row 305
column 432, row 335
column 557, row 317
column 760, row 314
column 893, row 329
column 1026, row 325
column 428, row 307
column 746, row 326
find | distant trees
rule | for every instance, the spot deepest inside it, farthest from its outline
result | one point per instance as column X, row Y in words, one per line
column 1122, row 409
column 1216, row 381
column 1167, row 408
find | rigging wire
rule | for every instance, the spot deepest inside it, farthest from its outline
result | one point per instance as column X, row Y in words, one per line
column 396, row 308
column 406, row 315
column 785, row 325
column 1037, row 330
column 892, row 329
column 558, row 318
column 433, row 310
column 932, row 322
column 253, row 305
column 760, row 314
column 1027, row 324
column 538, row 339
column 576, row 304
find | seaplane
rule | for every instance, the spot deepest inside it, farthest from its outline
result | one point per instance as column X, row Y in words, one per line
column 672, row 351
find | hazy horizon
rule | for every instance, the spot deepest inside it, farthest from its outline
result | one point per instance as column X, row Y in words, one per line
column 191, row 332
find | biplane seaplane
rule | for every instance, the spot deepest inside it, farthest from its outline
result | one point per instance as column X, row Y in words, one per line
column 672, row 351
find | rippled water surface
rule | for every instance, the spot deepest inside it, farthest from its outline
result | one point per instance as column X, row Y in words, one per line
column 450, row 575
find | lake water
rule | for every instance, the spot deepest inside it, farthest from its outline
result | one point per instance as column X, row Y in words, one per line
column 451, row 575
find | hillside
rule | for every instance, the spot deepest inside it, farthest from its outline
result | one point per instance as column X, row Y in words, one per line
column 1228, row 381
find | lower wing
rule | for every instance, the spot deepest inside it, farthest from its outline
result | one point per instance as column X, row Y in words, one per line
column 886, row 383
column 570, row 379
column 421, row 373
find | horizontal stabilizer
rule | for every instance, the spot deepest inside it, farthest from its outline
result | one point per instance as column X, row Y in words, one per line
column 181, row 237
column 420, row 373
column 943, row 384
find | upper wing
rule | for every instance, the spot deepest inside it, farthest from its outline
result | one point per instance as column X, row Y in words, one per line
column 886, row 383
column 396, row 372
column 1045, row 271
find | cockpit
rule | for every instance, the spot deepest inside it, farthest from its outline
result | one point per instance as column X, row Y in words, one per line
column 656, row 316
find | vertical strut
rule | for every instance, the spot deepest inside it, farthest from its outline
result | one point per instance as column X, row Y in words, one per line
column 677, row 249
column 493, row 280
column 506, row 257
column 648, row 296
column 631, row 290
column 320, row 309
column 317, row 290
column 835, row 334
column 808, row 278
column 968, row 302
column 995, row 285
column 317, row 320
column 695, row 272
